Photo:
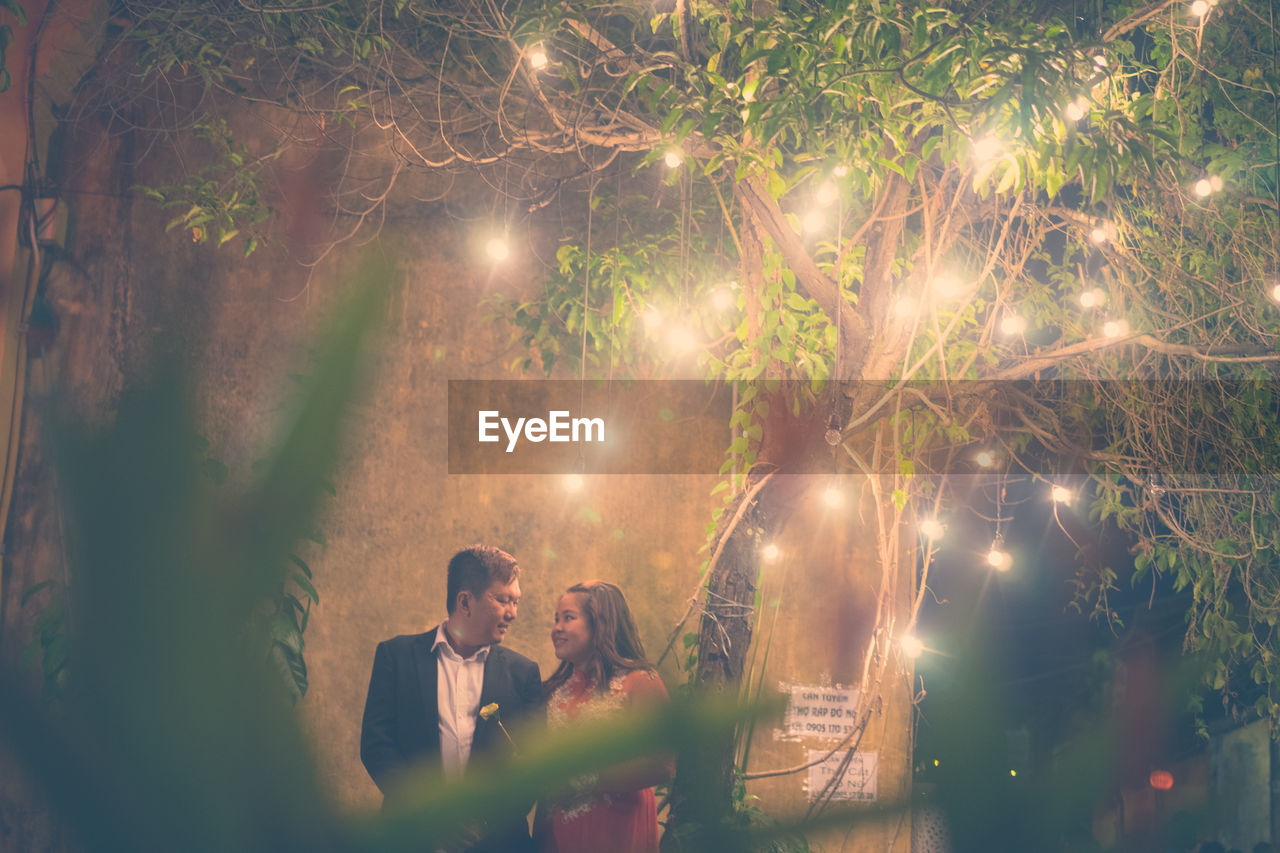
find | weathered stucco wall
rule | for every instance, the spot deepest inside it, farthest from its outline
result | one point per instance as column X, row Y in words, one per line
column 398, row 515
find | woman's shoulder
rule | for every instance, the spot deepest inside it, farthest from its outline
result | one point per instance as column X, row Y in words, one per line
column 641, row 686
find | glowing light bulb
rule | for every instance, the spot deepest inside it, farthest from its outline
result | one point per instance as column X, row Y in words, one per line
column 1061, row 495
column 1203, row 188
column 1215, row 183
column 1012, row 324
column 912, row 646
column 770, row 553
column 1275, row 293
column 985, row 458
column 1100, row 61
column 680, row 339
column 1200, row 8
column 833, row 497
column 572, row 482
column 673, row 158
column 1115, row 328
column 840, row 171
column 932, row 528
column 1074, row 111
column 497, row 249
column 999, row 559
column 987, row 148
column 1098, row 234
column 537, row 57
column 812, row 222
column 1094, row 298
column 905, row 307
column 947, row 287
column 722, row 299
column 1013, row 772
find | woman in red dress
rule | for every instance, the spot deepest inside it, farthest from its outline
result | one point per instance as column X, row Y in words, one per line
column 603, row 672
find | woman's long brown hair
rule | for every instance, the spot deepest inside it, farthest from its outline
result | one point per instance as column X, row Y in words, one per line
column 615, row 642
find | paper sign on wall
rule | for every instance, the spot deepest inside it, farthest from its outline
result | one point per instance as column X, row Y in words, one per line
column 857, row 784
column 820, row 712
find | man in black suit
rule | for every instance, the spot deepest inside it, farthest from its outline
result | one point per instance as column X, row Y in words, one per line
column 427, row 690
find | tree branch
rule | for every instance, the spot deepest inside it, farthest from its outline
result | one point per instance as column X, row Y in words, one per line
column 813, row 281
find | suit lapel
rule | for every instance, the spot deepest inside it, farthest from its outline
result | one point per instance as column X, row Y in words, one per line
column 425, row 661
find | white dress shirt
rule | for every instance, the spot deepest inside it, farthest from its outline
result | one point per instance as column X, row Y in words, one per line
column 458, row 683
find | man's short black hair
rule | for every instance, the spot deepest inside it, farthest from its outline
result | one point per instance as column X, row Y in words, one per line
column 476, row 568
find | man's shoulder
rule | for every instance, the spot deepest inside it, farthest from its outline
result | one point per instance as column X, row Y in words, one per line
column 406, row 641
column 512, row 658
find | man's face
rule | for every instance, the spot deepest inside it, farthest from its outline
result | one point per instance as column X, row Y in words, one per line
column 486, row 618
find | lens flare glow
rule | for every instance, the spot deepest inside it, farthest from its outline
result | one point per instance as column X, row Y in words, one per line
column 1115, row 328
column 497, row 249
column 1012, row 324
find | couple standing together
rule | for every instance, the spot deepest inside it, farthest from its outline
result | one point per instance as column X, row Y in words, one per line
column 427, row 691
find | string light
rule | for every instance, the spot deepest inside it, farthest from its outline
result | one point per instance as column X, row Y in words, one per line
column 833, row 497
column 1013, row 772
column 572, row 483
column 987, row 148
column 998, row 558
column 1200, row 8
column 1012, row 324
column 537, row 57
column 946, row 287
column 985, row 458
column 770, row 553
column 840, row 171
column 1060, row 495
column 1077, row 109
column 1203, row 188
column 1115, row 328
column 497, row 249
column 673, row 158
column 912, row 646
column 1275, row 293
column 722, row 298
column 1094, row 298
column 812, row 222
column 827, row 193
column 1098, row 234
column 932, row 528
column 680, row 339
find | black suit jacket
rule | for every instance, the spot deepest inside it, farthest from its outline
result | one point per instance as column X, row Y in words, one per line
column 401, row 725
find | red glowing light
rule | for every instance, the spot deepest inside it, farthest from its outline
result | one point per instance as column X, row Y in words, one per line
column 1161, row 780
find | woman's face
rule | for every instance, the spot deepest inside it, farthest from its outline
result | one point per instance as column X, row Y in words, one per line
column 570, row 635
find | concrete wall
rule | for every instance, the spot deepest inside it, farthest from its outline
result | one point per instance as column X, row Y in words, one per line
column 398, row 515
